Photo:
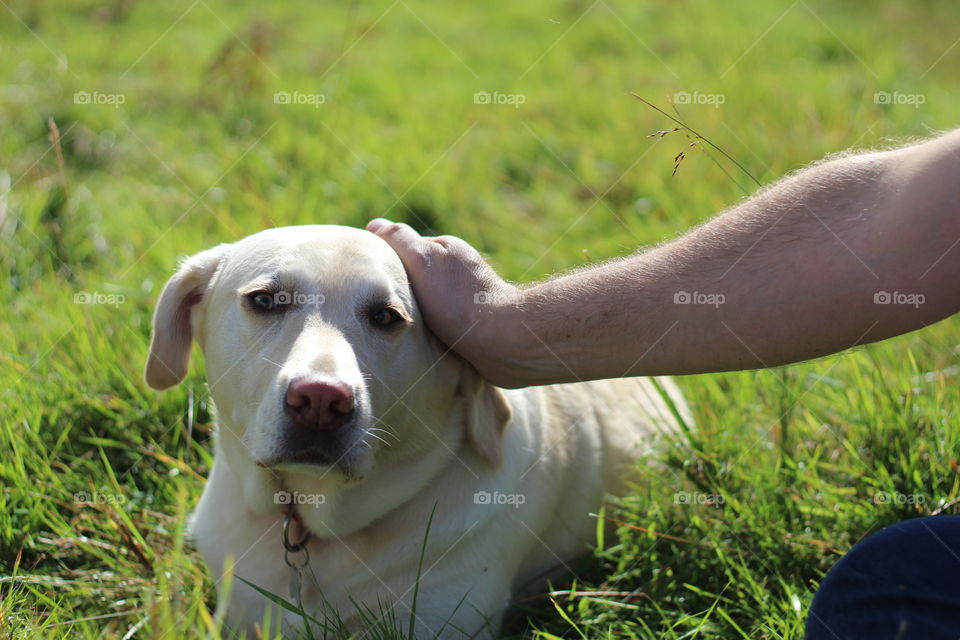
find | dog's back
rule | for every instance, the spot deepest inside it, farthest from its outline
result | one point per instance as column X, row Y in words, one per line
column 592, row 435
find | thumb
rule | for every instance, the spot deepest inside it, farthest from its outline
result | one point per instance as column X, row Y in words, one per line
column 402, row 237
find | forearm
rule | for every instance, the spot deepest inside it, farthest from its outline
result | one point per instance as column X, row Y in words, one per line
column 792, row 274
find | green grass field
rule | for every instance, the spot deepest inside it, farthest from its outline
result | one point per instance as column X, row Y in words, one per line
column 169, row 140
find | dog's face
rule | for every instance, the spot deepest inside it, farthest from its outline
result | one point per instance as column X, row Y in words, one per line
column 317, row 358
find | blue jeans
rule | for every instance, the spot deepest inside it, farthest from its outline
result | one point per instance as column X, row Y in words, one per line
column 902, row 583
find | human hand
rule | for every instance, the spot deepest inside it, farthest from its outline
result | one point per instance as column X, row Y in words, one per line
column 463, row 300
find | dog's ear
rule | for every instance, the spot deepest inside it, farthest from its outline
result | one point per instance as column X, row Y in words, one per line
column 487, row 414
column 172, row 327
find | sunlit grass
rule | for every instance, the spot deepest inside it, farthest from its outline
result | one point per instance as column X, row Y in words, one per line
column 785, row 470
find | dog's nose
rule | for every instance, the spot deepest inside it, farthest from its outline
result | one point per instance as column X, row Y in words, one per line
column 319, row 404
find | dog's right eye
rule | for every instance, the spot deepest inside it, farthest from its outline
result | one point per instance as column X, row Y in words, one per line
column 384, row 318
column 262, row 301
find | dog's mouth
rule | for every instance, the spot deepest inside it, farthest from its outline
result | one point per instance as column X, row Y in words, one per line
column 306, row 462
column 307, row 466
column 319, row 457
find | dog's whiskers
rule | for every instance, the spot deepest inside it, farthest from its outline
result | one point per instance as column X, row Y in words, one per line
column 385, row 443
column 266, row 359
column 376, row 437
column 386, row 432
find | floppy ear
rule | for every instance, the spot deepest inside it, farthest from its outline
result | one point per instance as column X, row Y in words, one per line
column 172, row 330
column 487, row 414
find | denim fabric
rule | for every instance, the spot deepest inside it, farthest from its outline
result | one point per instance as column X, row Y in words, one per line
column 902, row 583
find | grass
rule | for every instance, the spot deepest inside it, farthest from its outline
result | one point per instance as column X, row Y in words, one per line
column 786, row 469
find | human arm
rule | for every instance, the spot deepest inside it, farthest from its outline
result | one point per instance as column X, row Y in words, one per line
column 801, row 267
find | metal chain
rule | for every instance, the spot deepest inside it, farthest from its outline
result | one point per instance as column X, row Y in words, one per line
column 290, row 550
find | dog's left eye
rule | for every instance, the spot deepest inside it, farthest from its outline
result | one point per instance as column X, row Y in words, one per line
column 384, row 318
column 263, row 301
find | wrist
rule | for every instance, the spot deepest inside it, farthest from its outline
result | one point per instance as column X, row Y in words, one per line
column 504, row 346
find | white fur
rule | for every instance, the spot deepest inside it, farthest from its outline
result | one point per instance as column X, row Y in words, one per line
column 451, row 436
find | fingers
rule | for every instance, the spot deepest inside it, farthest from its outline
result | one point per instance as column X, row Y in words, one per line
column 451, row 242
column 394, row 232
column 417, row 252
column 402, row 237
column 378, row 224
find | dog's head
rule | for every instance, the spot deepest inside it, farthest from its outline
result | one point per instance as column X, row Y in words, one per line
column 321, row 368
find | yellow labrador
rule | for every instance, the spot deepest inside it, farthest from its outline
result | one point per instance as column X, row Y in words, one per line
column 335, row 404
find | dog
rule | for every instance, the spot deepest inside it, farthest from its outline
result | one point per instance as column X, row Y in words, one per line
column 342, row 420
